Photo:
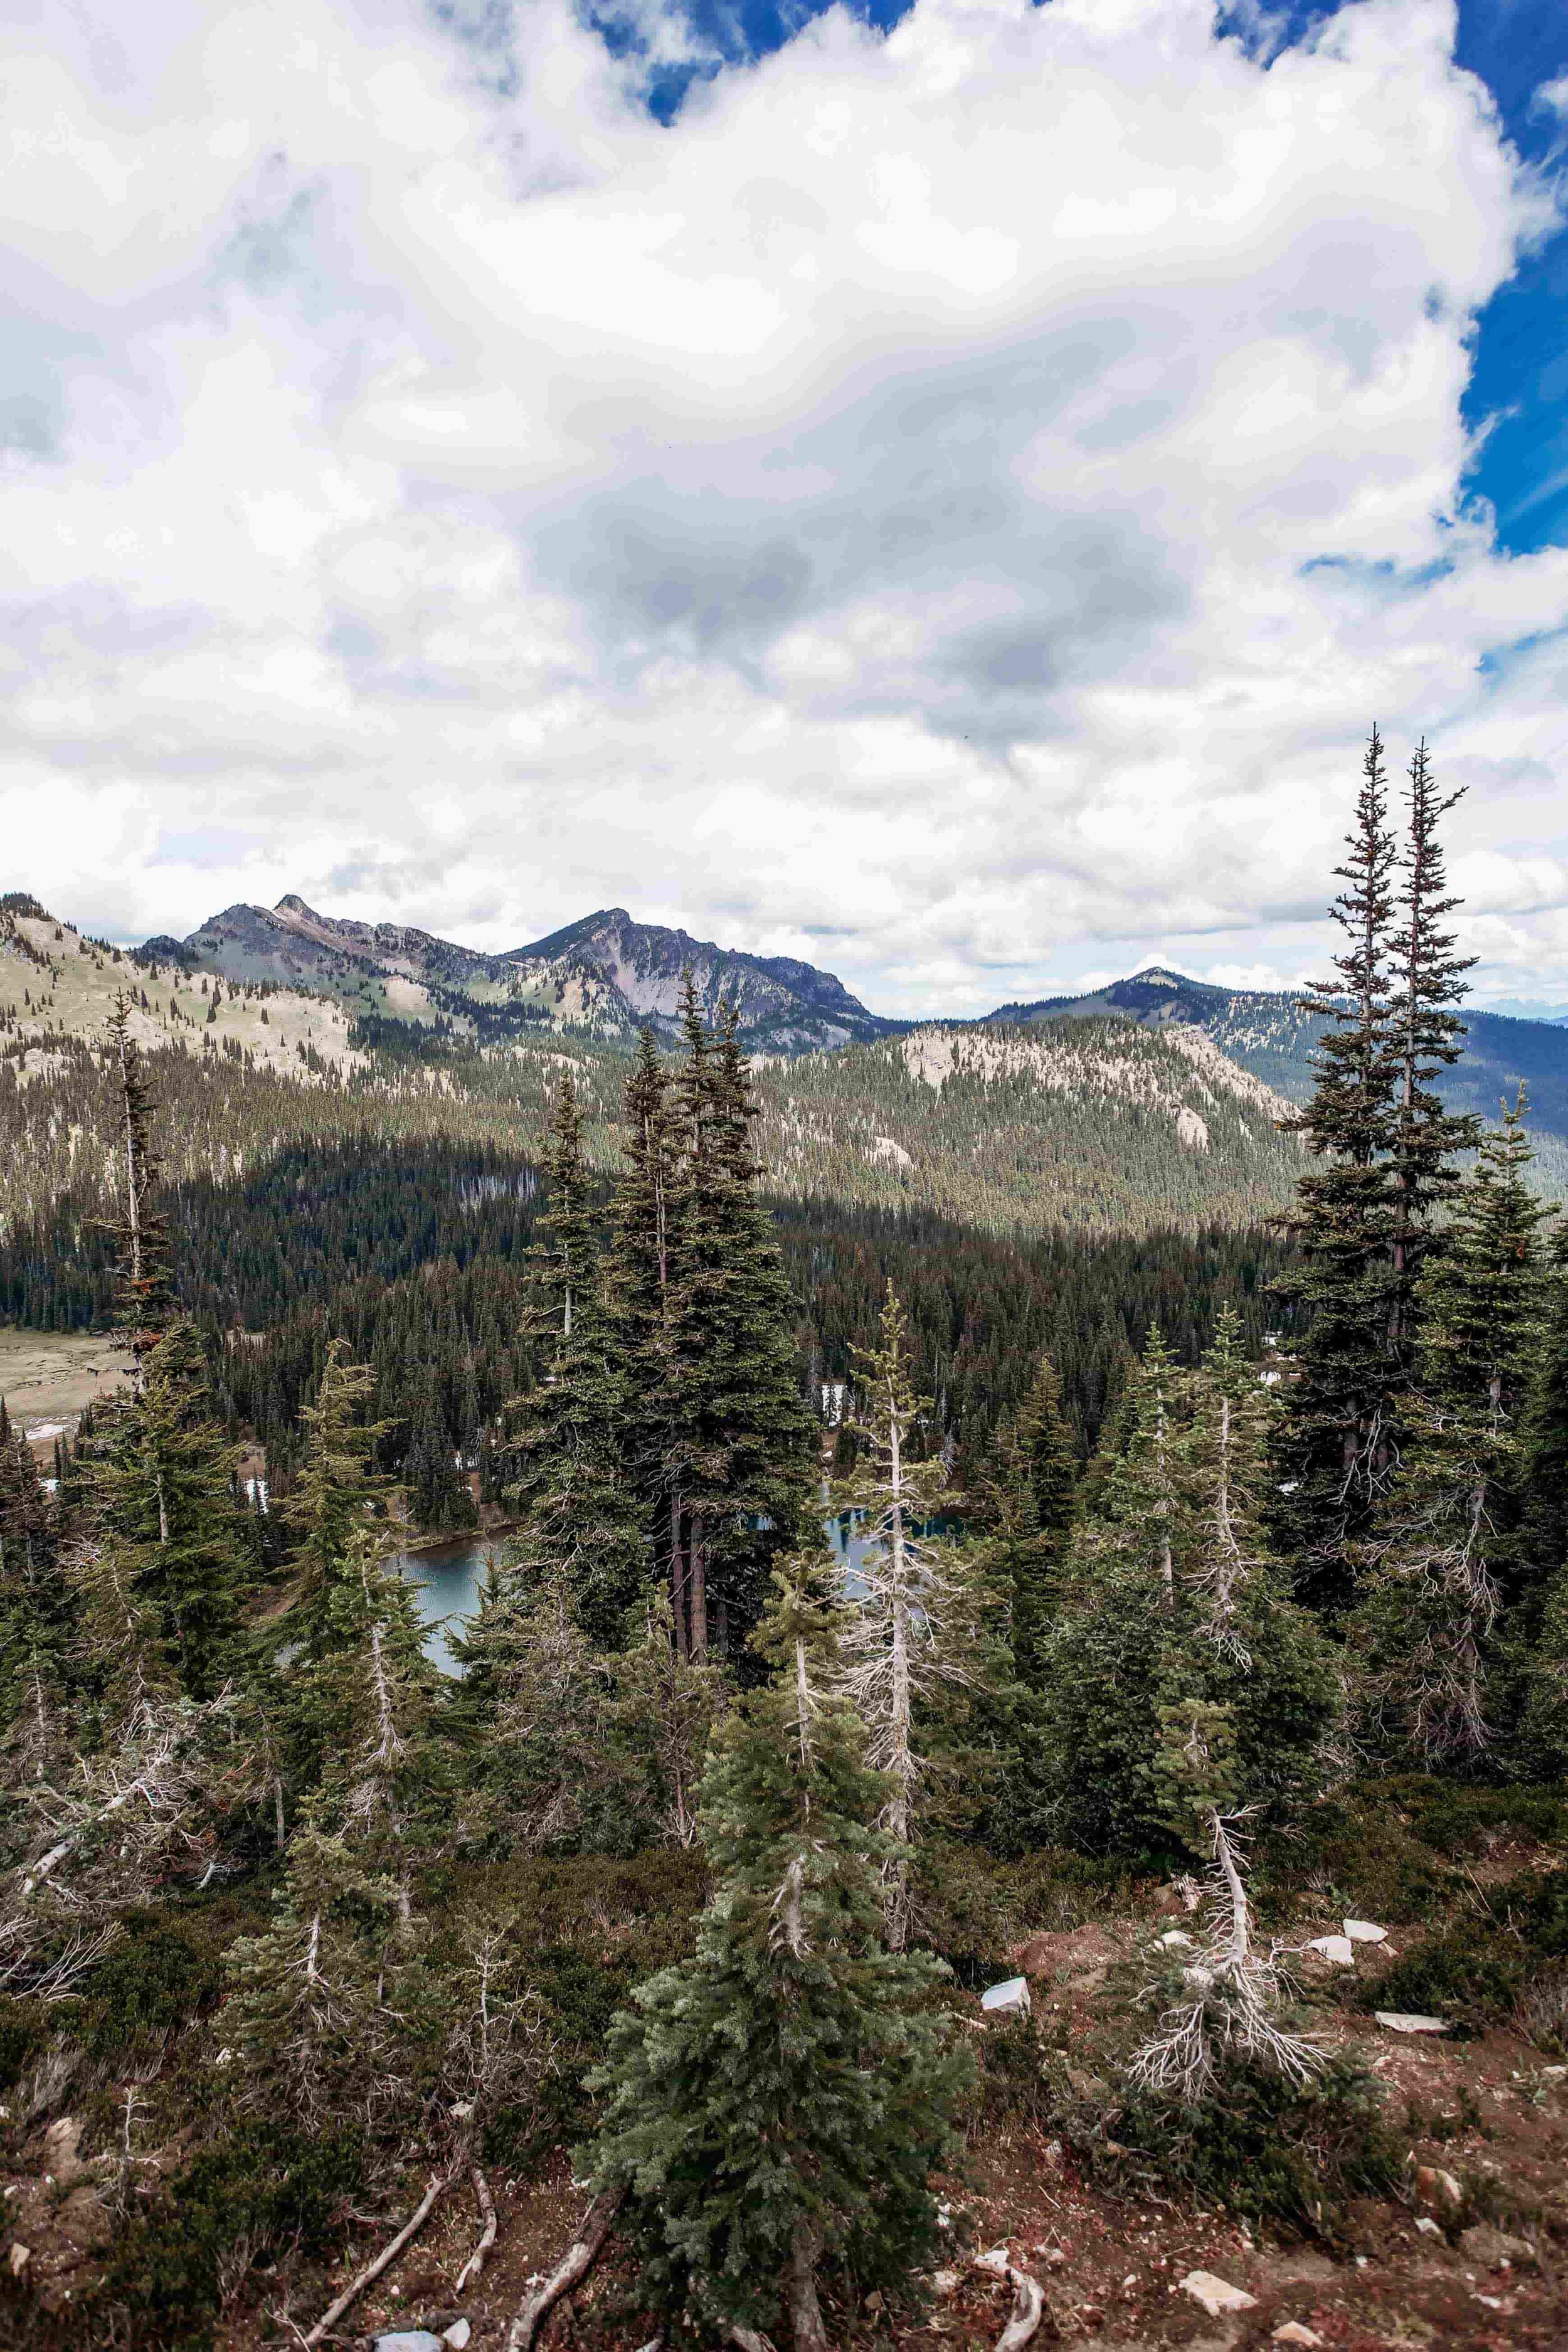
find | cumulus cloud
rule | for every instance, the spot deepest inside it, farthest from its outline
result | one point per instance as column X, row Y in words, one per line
column 948, row 506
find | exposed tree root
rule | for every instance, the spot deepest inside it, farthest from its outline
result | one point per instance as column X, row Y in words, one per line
column 574, row 2264
column 804, row 2310
column 1028, row 2301
column 384, row 2261
column 475, row 2265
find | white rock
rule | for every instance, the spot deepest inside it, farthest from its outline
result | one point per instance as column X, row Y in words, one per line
column 1362, row 1931
column 458, row 2335
column 1338, row 1949
column 1398, row 2021
column 1175, row 1935
column 1012, row 1995
column 994, row 2259
column 1294, row 2332
column 409, row 2339
column 1427, row 2227
column 1217, row 2295
column 944, row 2283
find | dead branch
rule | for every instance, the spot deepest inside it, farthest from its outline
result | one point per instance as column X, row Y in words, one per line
column 384, row 2261
column 1028, row 2300
column 804, row 2310
column 475, row 2265
column 574, row 2266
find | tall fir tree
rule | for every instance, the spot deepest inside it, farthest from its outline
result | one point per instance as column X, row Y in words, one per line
column 1446, row 1542
column 1025, row 1504
column 584, row 1522
column 1426, row 1037
column 1338, row 1439
column 143, row 1291
column 776, row 2105
column 38, row 1616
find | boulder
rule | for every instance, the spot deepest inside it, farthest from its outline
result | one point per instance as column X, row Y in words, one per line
column 1362, row 1931
column 1494, row 2248
column 1217, row 2295
column 1002, row 1999
column 408, row 2340
column 1400, row 2020
column 1337, row 1949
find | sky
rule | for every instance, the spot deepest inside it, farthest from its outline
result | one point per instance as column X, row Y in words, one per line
column 943, row 492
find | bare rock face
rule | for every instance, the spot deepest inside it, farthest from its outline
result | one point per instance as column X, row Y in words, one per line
column 1494, row 2248
column 62, row 2159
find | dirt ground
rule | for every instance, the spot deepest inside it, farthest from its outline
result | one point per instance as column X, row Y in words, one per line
column 46, row 1377
column 1111, row 2271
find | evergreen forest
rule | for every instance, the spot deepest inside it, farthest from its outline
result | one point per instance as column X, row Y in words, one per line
column 740, row 1947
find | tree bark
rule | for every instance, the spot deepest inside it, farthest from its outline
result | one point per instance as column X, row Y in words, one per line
column 474, row 2266
column 574, row 2265
column 699, row 1590
column 382, row 2262
column 805, row 2311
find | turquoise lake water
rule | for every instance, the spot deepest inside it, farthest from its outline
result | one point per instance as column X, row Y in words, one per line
column 447, row 1579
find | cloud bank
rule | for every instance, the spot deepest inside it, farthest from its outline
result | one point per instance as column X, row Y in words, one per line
column 948, row 506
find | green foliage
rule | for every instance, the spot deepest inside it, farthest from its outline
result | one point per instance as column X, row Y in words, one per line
column 1180, row 1676
column 1291, row 2155
column 1444, row 1539
column 24, row 2028
column 258, row 2193
column 784, row 2097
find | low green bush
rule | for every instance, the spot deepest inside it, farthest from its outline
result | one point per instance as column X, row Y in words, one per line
column 1294, row 2155
column 23, row 2029
column 260, row 2194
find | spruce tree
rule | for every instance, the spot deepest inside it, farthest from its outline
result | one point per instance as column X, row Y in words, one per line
column 1446, row 1543
column 1025, row 1506
column 1181, row 1680
column 583, row 1523
column 1426, row 1035
column 329, row 2005
column 337, row 1491
column 1544, row 1428
column 161, row 1491
column 38, row 1614
column 143, row 1289
column 776, row 2105
column 1339, row 1440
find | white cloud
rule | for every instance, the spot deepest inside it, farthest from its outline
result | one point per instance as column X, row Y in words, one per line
column 949, row 507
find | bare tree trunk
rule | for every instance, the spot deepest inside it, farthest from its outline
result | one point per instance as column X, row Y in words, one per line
column 574, row 2266
column 677, row 1575
column 474, row 2267
column 382, row 2262
column 900, row 1759
column 805, row 2311
column 699, row 1588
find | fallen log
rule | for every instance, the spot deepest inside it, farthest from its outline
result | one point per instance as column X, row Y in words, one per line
column 384, row 2261
column 574, row 2265
column 1028, row 2300
column 475, row 2265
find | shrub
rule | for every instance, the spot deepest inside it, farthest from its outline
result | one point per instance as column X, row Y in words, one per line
column 261, row 2192
column 24, row 2030
column 1472, row 1974
column 1292, row 2155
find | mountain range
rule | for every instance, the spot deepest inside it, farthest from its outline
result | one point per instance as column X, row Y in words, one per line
column 605, row 977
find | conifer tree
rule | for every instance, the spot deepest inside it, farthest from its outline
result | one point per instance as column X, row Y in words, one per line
column 1446, row 1543
column 36, row 1614
column 332, row 2002
column 777, row 2105
column 1339, row 1440
column 338, row 1489
column 917, row 1626
column 1182, row 1682
column 1425, row 1037
column 144, row 1297
column 583, row 1525
column 1544, row 1428
column 1026, row 1504
column 160, row 1483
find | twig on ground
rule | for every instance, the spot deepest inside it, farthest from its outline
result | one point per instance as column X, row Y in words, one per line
column 475, row 2265
column 574, row 2264
column 384, row 2261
